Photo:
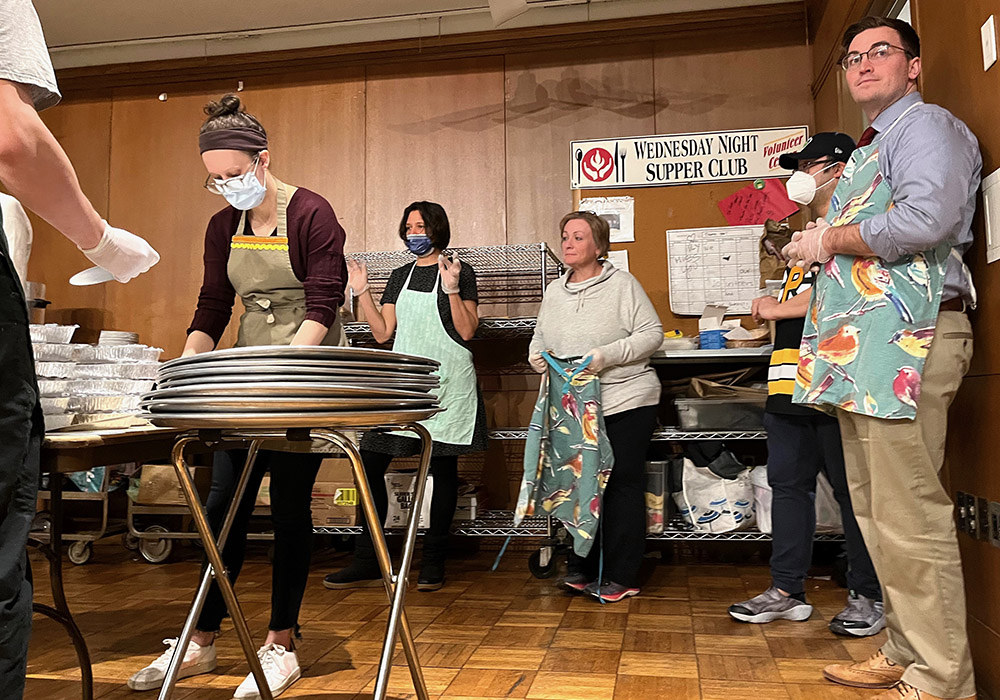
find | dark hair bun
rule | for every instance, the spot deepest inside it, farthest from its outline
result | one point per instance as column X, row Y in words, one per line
column 229, row 104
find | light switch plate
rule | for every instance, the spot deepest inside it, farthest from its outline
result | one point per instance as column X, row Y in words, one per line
column 991, row 215
column 988, row 32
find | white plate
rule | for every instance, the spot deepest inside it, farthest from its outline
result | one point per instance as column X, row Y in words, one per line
column 94, row 275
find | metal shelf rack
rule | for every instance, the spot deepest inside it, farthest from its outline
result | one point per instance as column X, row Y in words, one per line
column 488, row 328
column 754, row 355
column 659, row 435
column 514, row 273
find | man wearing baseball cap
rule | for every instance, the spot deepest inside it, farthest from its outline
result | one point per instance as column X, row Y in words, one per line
column 802, row 441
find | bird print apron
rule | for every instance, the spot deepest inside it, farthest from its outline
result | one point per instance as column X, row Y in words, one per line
column 871, row 322
column 567, row 455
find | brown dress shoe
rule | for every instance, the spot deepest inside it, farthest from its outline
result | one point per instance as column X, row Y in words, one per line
column 905, row 691
column 875, row 672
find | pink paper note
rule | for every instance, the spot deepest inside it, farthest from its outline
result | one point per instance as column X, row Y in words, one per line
column 749, row 206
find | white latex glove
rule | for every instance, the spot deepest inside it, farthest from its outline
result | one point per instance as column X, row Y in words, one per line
column 806, row 247
column 597, row 361
column 449, row 273
column 537, row 362
column 121, row 253
column 357, row 276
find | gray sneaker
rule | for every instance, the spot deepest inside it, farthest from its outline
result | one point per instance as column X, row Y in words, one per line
column 770, row 606
column 862, row 617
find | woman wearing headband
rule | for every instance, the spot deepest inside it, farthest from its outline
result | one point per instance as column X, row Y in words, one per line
column 281, row 249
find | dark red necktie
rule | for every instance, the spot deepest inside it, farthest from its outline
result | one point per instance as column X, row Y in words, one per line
column 867, row 136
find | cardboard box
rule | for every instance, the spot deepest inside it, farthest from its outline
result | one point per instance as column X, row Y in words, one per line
column 264, row 493
column 334, row 504
column 335, row 469
column 158, row 486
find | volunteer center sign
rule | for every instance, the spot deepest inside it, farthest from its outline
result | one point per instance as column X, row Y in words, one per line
column 681, row 159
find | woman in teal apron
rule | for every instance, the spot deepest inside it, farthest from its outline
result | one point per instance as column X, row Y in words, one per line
column 431, row 305
column 280, row 249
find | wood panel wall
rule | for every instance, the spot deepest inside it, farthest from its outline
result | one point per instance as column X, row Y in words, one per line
column 487, row 137
column 952, row 77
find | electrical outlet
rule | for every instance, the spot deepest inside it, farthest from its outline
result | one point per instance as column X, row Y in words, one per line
column 988, row 33
column 962, row 511
column 971, row 521
column 995, row 523
column 983, row 511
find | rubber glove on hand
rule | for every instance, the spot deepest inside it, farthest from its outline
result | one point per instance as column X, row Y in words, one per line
column 450, row 270
column 121, row 253
column 597, row 361
column 357, row 276
column 806, row 247
column 537, row 362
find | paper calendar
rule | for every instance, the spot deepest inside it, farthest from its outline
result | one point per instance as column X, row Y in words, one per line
column 718, row 265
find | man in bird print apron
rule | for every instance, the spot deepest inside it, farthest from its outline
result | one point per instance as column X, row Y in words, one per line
column 886, row 345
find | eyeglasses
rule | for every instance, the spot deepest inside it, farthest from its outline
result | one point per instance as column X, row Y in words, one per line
column 876, row 55
column 231, row 184
column 806, row 164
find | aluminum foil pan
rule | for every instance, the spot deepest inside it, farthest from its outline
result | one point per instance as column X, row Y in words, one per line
column 121, row 353
column 54, row 404
column 55, row 370
column 54, row 387
column 104, row 404
column 59, row 352
column 108, row 387
column 130, row 370
column 58, row 421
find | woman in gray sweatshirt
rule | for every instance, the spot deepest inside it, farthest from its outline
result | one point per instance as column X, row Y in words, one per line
column 596, row 310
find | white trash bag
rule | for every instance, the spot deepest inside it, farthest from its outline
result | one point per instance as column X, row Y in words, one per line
column 713, row 504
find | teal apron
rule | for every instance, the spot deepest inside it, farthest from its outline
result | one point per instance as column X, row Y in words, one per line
column 567, row 455
column 420, row 331
column 871, row 322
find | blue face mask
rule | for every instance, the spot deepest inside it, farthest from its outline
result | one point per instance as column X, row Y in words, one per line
column 419, row 245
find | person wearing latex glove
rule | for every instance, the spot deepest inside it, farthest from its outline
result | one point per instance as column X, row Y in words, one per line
column 36, row 171
column 598, row 311
column 431, row 306
column 121, row 253
column 597, row 361
column 807, row 247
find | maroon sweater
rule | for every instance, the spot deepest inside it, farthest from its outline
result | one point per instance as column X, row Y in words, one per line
column 316, row 249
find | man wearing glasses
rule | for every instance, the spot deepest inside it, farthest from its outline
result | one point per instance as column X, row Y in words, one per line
column 802, row 441
column 886, row 344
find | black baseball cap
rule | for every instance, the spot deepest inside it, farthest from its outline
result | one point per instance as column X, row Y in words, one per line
column 828, row 144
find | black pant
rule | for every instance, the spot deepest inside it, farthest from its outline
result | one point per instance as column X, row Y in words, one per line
column 798, row 448
column 444, row 469
column 292, row 477
column 21, row 430
column 622, row 531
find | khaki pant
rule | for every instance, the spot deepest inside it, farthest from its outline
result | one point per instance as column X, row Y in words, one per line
column 906, row 518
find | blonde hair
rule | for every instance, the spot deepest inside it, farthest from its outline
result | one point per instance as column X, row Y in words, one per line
column 599, row 228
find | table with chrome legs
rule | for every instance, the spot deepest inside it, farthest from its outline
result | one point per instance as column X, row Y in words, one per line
column 218, row 437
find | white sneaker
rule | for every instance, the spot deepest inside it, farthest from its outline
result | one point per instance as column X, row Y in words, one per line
column 281, row 669
column 197, row 660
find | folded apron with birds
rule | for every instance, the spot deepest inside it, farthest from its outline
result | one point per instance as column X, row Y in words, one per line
column 567, row 456
column 870, row 323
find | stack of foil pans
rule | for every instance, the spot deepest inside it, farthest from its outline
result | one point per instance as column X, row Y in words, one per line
column 289, row 387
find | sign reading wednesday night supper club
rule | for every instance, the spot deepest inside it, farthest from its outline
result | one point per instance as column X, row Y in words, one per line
column 682, row 159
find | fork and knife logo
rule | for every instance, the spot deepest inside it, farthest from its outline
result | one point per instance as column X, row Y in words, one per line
column 599, row 164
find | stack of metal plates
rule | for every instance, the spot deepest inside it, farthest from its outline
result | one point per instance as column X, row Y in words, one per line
column 288, row 387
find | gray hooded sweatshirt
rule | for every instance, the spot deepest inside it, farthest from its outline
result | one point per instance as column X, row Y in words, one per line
column 610, row 313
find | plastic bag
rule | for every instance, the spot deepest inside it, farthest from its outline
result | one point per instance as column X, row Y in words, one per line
column 713, row 504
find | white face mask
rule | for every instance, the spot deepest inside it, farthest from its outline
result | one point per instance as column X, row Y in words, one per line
column 801, row 186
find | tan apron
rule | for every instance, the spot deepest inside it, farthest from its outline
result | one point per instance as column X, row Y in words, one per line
column 274, row 299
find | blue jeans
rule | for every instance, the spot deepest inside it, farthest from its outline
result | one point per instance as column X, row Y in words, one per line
column 799, row 447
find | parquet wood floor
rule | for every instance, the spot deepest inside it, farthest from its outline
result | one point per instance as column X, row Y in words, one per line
column 486, row 635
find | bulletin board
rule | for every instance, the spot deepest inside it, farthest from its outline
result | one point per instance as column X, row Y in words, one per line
column 714, row 265
column 661, row 209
